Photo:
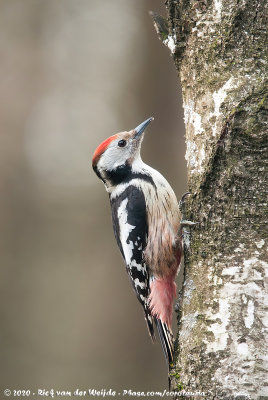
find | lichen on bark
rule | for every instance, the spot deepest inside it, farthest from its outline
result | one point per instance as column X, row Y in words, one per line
column 221, row 54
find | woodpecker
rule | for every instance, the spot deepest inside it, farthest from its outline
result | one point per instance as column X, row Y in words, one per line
column 146, row 222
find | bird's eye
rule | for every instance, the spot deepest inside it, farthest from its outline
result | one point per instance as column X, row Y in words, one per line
column 122, row 143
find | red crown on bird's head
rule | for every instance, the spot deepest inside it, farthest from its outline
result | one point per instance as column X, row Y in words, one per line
column 101, row 149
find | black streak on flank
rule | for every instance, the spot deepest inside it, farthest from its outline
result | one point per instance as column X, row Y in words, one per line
column 124, row 174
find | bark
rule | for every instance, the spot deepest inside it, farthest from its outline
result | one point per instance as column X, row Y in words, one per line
column 220, row 50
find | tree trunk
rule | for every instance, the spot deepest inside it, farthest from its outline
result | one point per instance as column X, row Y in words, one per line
column 220, row 50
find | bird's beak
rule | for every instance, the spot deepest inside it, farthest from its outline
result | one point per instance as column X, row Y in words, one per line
column 141, row 128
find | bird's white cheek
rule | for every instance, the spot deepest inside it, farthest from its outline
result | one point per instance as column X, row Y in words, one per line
column 114, row 157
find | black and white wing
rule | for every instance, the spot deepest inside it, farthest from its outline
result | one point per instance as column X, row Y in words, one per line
column 130, row 229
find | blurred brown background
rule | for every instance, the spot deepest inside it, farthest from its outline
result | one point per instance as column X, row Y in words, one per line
column 72, row 73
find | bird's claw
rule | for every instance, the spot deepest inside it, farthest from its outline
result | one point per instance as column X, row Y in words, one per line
column 182, row 201
column 188, row 223
column 184, row 222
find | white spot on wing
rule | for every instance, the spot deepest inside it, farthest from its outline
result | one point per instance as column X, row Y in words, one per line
column 138, row 283
column 140, row 267
column 125, row 229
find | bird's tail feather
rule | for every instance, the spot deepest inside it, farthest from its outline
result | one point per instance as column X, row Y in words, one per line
column 166, row 340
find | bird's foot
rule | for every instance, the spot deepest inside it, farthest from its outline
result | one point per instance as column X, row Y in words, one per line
column 182, row 202
column 184, row 222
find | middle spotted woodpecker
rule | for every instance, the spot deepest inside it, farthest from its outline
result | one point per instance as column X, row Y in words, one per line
column 146, row 222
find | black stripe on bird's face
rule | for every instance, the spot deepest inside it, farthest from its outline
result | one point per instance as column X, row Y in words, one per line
column 114, row 177
column 119, row 175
